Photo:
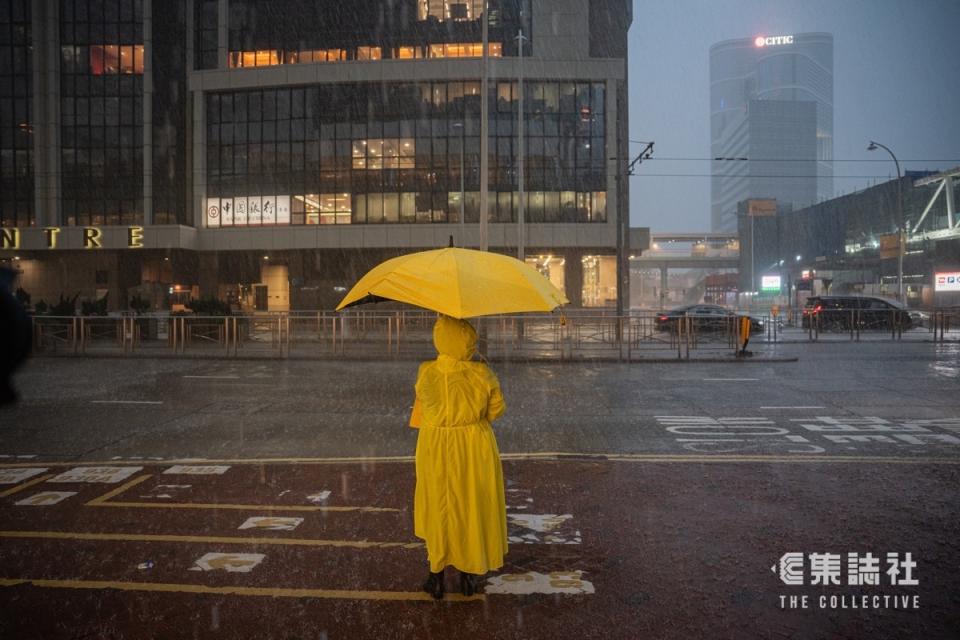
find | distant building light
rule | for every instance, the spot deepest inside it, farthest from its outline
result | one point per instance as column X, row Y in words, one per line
column 768, row 41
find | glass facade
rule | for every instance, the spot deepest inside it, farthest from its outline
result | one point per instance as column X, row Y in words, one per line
column 169, row 101
column 16, row 123
column 771, row 103
column 101, row 107
column 267, row 33
column 397, row 153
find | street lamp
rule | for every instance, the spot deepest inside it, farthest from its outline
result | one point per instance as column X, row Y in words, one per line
column 463, row 227
column 521, row 244
column 901, row 240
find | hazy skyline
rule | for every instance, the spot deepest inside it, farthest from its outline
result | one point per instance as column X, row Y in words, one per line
column 894, row 82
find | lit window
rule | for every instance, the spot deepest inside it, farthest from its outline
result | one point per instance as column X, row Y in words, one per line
column 138, row 59
column 443, row 10
column 267, row 58
column 407, row 53
column 111, row 59
column 464, row 50
column 327, row 208
column 384, row 153
column 114, row 59
column 368, row 53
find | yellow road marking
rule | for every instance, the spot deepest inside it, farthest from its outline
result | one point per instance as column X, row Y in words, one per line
column 24, row 485
column 266, row 592
column 118, row 490
column 545, row 456
column 141, row 537
column 104, row 501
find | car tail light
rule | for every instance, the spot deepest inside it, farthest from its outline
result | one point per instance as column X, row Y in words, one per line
column 662, row 318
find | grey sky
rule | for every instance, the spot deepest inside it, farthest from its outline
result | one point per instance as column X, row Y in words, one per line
column 895, row 81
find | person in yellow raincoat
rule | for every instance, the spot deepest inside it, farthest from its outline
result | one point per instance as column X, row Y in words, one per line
column 459, row 506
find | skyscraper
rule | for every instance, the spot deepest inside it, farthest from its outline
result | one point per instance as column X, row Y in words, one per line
column 771, row 122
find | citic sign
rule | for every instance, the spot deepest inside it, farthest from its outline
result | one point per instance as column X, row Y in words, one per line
column 768, row 41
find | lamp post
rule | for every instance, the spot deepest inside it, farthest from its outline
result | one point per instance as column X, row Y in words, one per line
column 463, row 226
column 901, row 224
column 521, row 244
column 485, row 128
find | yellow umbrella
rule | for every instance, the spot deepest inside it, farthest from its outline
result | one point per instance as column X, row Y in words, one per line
column 461, row 283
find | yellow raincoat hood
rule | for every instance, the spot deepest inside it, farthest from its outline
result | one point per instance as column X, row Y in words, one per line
column 454, row 338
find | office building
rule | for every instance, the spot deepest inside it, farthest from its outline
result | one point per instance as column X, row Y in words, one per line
column 269, row 153
column 771, row 122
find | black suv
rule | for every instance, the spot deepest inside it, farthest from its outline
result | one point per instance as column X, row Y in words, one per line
column 840, row 313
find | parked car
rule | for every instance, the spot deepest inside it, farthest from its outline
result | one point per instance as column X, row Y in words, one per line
column 840, row 313
column 706, row 317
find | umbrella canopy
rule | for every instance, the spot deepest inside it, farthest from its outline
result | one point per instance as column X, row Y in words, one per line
column 461, row 283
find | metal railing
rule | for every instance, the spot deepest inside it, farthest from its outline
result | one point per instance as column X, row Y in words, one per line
column 405, row 334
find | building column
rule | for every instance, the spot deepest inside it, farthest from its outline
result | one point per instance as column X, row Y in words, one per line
column 573, row 277
column 198, row 131
column 147, row 112
column 223, row 33
column 209, row 274
column 188, row 112
column 45, row 36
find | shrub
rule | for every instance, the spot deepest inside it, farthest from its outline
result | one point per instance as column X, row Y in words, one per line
column 65, row 307
column 209, row 306
column 94, row 308
column 138, row 305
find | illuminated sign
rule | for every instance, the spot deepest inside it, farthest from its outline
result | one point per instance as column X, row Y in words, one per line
column 251, row 211
column 770, row 284
column 9, row 238
column 946, row 281
column 90, row 238
column 769, row 41
column 758, row 207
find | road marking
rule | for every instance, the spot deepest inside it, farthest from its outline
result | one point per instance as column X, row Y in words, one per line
column 550, row 456
column 229, row 562
column 242, row 540
column 197, row 470
column 213, row 377
column 104, row 501
column 117, row 491
column 126, row 402
column 264, row 592
column 271, row 523
column 797, row 407
column 45, row 498
column 13, row 476
column 108, row 475
column 25, row 485
column 731, row 379
column 562, row 582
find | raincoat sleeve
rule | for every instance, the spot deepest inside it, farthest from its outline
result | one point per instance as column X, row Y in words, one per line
column 416, row 416
column 495, row 404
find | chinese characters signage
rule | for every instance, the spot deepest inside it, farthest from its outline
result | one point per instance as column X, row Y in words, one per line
column 253, row 211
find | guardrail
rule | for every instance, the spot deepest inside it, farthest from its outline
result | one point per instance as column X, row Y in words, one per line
column 408, row 334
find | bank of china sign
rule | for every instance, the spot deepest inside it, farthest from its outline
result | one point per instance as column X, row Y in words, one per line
column 771, row 41
column 883, row 581
column 244, row 212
